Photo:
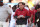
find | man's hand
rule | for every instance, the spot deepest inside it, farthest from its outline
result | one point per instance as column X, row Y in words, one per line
column 9, row 17
column 23, row 16
column 18, row 17
column 7, row 20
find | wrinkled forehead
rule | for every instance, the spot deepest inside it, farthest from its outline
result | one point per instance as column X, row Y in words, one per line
column 20, row 4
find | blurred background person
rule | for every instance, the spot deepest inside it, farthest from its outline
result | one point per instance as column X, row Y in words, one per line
column 13, row 21
column 32, row 15
column 16, row 6
column 37, row 16
column 27, row 7
column 10, row 6
column 5, row 14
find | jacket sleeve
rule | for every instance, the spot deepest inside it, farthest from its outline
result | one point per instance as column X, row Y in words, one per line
column 15, row 17
column 27, row 17
column 28, row 14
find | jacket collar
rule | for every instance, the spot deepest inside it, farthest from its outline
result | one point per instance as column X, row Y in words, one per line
column 22, row 9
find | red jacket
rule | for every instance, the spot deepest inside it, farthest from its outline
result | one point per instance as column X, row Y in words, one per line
column 30, row 13
column 34, row 11
column 23, row 12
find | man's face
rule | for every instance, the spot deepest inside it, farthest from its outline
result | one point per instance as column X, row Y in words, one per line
column 21, row 6
column 38, row 10
column 14, row 8
column 10, row 6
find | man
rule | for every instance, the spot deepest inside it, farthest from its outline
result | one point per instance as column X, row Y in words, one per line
column 5, row 14
column 21, row 15
column 37, row 16
column 32, row 15
column 34, row 11
column 13, row 21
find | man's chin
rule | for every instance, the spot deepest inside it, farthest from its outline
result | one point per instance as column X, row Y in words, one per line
column 21, row 8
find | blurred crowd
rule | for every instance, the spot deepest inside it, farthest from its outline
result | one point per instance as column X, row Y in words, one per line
column 19, row 15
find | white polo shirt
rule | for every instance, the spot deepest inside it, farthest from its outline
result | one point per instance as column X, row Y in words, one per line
column 12, row 17
column 4, row 12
